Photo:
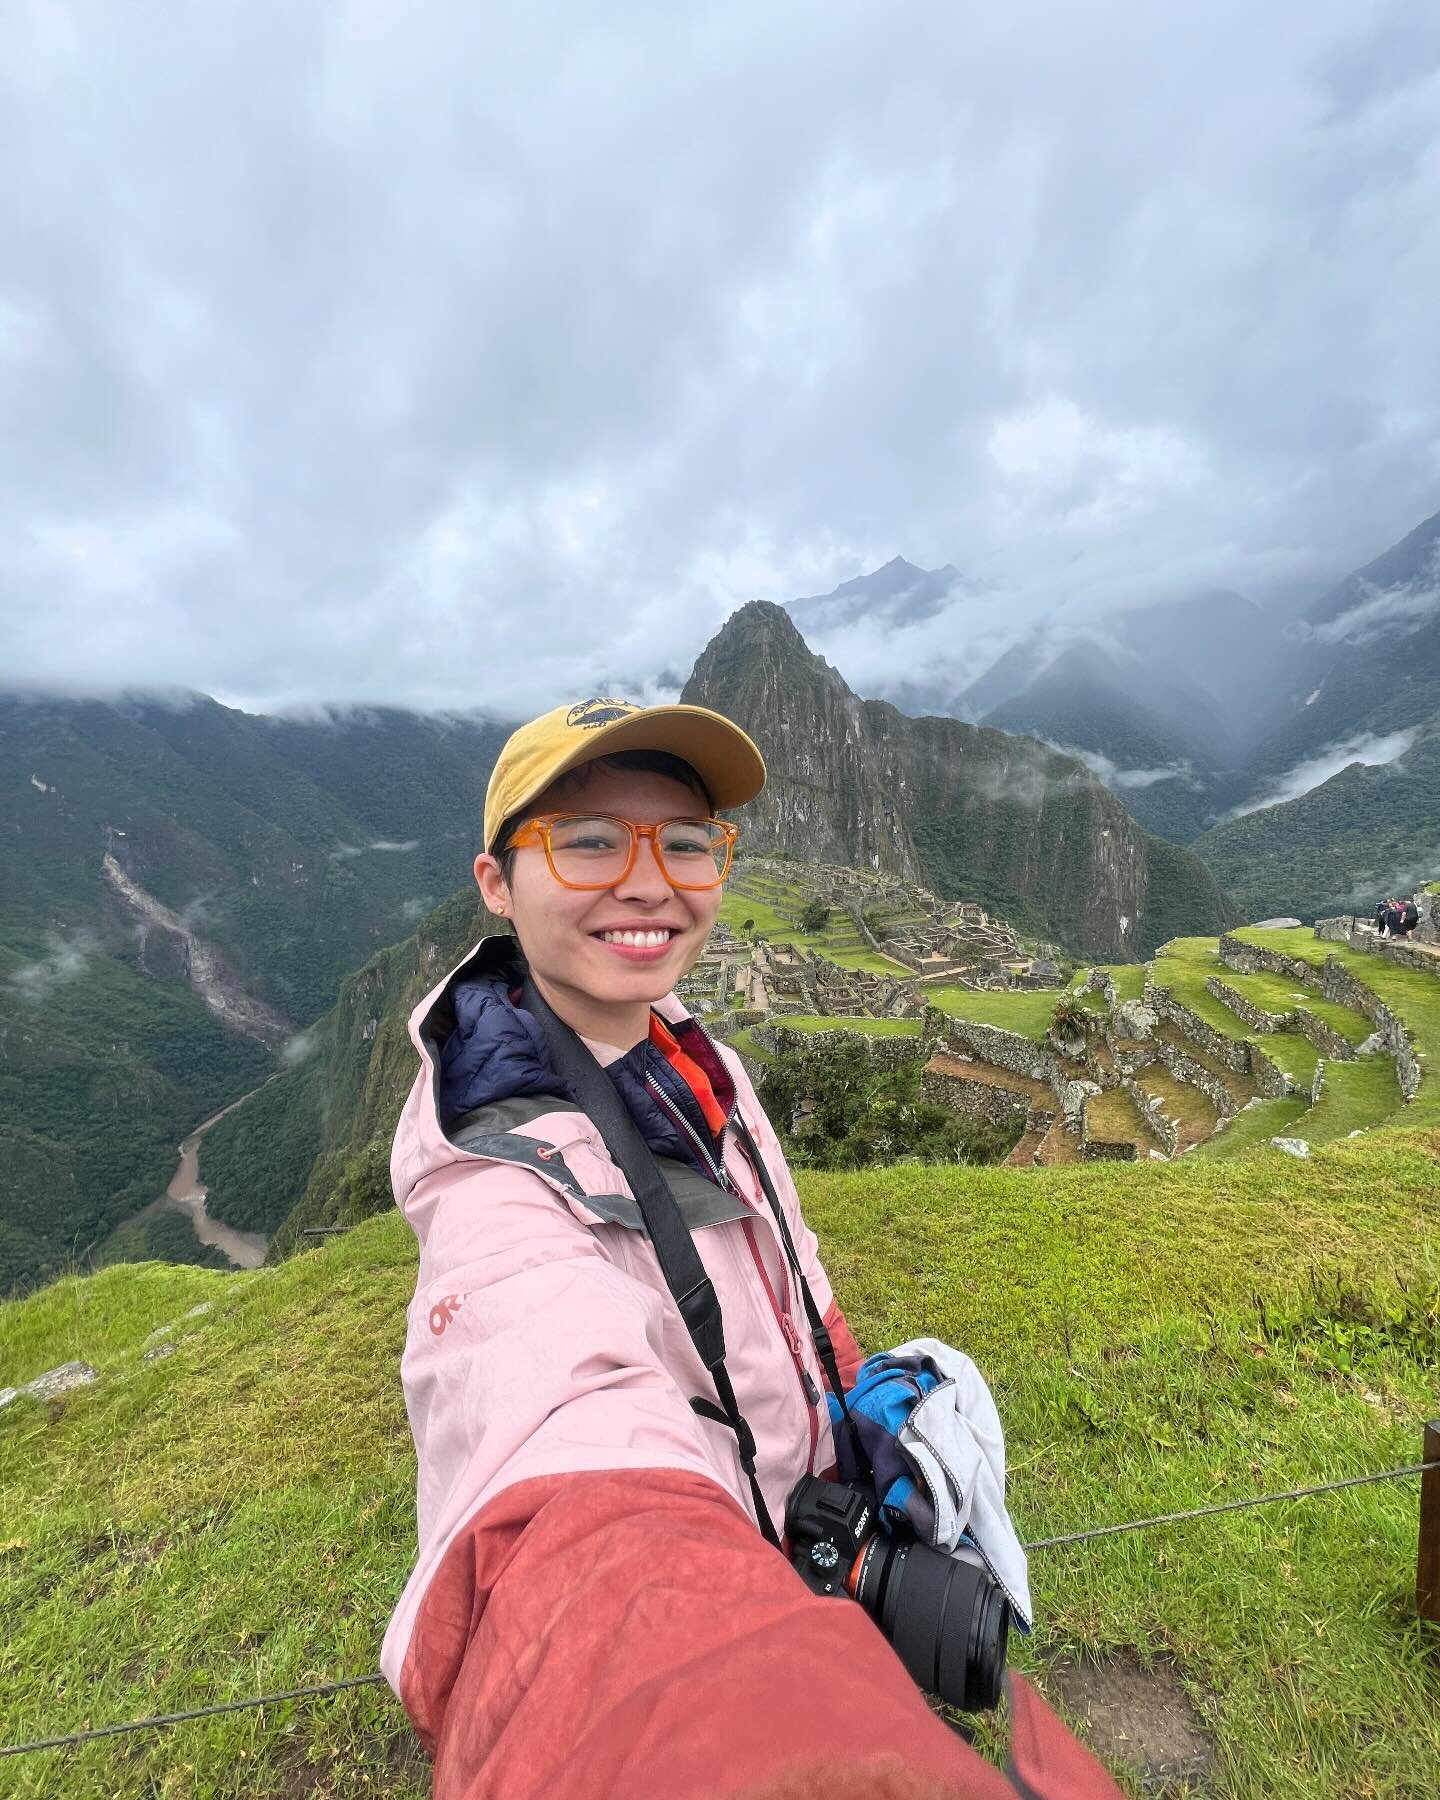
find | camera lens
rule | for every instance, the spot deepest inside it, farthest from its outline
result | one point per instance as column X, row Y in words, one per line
column 946, row 1616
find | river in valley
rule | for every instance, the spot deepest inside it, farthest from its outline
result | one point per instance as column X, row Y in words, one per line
column 186, row 1193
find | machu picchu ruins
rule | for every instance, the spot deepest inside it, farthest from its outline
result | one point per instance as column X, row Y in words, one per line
column 1278, row 1033
column 886, row 943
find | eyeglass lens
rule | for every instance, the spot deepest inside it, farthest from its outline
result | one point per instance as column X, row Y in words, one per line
column 593, row 852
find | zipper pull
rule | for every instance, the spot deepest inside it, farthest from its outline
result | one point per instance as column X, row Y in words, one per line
column 792, row 1339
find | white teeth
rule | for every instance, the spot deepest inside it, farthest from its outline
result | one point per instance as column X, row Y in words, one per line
column 640, row 940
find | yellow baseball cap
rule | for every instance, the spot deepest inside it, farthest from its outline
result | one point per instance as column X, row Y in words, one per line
column 719, row 752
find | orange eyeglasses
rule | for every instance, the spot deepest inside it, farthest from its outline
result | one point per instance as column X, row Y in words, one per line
column 591, row 851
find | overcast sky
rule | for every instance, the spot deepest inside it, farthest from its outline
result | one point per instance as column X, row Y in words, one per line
column 462, row 355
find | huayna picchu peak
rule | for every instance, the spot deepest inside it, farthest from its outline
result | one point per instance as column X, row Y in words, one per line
column 975, row 813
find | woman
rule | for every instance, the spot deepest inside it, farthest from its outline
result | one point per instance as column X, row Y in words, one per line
column 595, row 1609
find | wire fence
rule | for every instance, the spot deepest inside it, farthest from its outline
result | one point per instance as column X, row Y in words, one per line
column 1427, row 1590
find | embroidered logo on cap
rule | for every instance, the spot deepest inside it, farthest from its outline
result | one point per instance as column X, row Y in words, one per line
column 591, row 713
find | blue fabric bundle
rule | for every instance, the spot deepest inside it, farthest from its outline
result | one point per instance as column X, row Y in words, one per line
column 885, row 1393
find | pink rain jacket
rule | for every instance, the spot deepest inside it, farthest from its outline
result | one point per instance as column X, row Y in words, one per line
column 593, row 1610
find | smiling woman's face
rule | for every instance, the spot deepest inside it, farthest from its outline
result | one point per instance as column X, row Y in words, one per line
column 600, row 985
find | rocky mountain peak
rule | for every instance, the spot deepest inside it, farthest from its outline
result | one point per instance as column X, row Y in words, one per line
column 975, row 814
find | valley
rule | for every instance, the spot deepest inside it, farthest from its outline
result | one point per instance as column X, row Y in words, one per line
column 1169, row 1177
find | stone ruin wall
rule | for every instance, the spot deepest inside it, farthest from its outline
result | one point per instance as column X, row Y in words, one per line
column 1324, row 1037
column 1107, row 1150
column 1271, row 1081
column 976, row 1099
column 1256, row 1017
column 1336, row 983
column 1005, row 1050
column 884, row 1052
column 1166, row 1131
column 1185, row 1068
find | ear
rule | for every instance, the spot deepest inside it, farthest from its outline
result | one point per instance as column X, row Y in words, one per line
column 494, row 890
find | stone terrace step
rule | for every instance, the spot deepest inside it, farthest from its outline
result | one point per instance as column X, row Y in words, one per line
column 1185, row 1105
column 1058, row 1146
column 1026, row 1153
column 964, row 1069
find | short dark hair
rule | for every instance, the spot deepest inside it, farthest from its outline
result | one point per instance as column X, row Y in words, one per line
column 632, row 762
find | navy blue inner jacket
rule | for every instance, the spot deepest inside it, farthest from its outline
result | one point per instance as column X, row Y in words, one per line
column 497, row 1050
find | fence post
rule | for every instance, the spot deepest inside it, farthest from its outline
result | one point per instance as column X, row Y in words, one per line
column 1427, row 1567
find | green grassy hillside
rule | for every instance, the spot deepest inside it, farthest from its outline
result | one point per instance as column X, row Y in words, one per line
column 1366, row 833
column 294, row 848
column 238, row 1516
column 102, row 1072
column 289, row 1149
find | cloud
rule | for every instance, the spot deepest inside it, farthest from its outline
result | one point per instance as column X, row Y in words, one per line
column 1318, row 769
column 1381, row 612
column 65, row 961
column 1026, row 775
column 1115, row 777
column 411, row 910
column 471, row 359
column 1368, row 886
column 346, row 852
column 299, row 1048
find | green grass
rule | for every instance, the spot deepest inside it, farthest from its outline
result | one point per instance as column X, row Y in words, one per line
column 1355, row 1097
column 862, row 959
column 1181, row 1102
column 870, row 1027
column 1129, row 979
column 1274, row 994
column 1027, row 1013
column 735, row 908
column 239, row 1517
column 841, row 943
column 1183, row 964
column 1113, row 1117
column 1414, row 997
column 99, row 1317
column 1253, row 1128
column 744, row 1042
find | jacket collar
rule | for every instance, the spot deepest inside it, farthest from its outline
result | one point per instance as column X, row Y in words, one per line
column 486, row 1048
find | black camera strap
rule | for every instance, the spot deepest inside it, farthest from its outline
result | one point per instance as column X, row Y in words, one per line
column 819, row 1331
column 693, row 1292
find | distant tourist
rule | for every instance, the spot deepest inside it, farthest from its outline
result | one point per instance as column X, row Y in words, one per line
column 1396, row 918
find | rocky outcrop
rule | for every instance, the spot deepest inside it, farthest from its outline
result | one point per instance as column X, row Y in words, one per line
column 977, row 814
column 52, row 1383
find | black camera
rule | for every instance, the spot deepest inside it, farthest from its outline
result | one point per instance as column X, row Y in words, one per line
column 946, row 1616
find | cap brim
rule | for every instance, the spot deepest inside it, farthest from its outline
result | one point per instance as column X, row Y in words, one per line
column 719, row 752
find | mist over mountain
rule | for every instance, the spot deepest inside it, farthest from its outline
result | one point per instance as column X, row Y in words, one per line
column 1200, row 711
column 897, row 594
column 1366, row 655
column 976, row 813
